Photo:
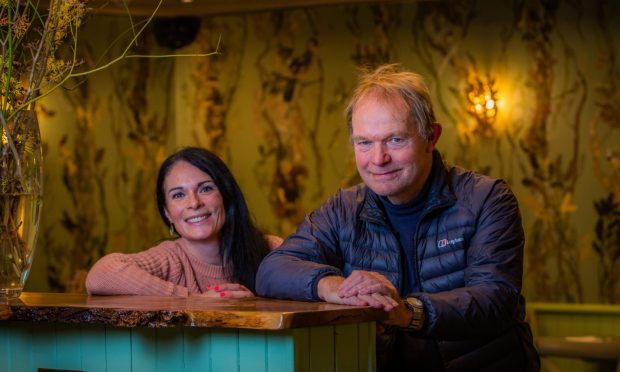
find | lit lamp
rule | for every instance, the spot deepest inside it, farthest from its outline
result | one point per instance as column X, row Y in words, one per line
column 483, row 103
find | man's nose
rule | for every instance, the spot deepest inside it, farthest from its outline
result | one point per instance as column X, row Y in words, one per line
column 380, row 154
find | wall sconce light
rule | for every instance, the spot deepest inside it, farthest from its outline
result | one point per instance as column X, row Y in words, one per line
column 482, row 101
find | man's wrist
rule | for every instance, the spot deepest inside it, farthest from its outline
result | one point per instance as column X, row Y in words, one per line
column 416, row 308
column 328, row 285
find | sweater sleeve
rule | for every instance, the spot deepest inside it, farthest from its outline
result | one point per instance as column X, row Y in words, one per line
column 152, row 272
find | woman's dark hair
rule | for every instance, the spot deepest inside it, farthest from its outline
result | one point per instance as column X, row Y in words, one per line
column 242, row 244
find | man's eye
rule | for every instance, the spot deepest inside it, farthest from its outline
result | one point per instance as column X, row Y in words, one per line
column 396, row 142
column 363, row 144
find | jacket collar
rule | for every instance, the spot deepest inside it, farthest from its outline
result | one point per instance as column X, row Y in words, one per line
column 440, row 194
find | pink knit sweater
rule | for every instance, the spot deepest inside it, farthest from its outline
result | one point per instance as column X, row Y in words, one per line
column 166, row 269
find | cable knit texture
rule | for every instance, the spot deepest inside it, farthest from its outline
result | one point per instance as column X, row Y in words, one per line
column 167, row 269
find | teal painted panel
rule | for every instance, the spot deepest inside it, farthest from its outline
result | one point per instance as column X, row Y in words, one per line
column 109, row 349
column 93, row 348
column 197, row 349
column 252, row 351
column 118, row 349
column 169, row 354
column 224, row 350
column 43, row 347
column 280, row 352
column 301, row 337
column 347, row 348
column 19, row 340
column 69, row 347
column 5, row 355
column 144, row 349
column 322, row 349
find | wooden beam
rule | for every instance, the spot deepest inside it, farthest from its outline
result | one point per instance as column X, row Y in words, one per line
column 176, row 8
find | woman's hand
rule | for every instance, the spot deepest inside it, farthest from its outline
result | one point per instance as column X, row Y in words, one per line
column 226, row 290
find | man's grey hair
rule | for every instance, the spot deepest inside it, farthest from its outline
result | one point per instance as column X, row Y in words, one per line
column 389, row 82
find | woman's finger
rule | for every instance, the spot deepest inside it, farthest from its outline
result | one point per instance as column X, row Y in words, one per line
column 236, row 294
column 226, row 287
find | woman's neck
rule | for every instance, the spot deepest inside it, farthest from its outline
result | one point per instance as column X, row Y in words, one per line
column 206, row 252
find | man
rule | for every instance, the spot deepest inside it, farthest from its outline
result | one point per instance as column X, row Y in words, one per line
column 440, row 248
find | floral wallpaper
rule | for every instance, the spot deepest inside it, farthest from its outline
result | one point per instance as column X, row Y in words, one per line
column 526, row 90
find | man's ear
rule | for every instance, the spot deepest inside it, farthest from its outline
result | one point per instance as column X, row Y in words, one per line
column 435, row 134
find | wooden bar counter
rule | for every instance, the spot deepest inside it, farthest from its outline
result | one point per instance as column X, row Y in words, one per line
column 73, row 332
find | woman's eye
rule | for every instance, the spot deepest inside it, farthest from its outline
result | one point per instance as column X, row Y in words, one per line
column 205, row 188
column 177, row 195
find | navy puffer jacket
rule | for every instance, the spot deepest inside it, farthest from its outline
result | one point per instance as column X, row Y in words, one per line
column 469, row 260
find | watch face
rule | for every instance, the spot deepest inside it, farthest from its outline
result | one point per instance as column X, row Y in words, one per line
column 417, row 308
column 414, row 302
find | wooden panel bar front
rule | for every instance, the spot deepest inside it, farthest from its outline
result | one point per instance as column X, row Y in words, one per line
column 138, row 333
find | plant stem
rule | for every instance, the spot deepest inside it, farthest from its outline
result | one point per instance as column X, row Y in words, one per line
column 123, row 56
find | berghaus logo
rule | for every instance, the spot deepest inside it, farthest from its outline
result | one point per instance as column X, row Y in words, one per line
column 445, row 242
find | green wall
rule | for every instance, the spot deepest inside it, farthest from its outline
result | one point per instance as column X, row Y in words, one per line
column 271, row 105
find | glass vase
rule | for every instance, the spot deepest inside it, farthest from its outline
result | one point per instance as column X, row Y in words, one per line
column 20, row 200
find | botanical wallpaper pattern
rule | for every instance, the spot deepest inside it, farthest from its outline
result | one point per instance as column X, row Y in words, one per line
column 526, row 90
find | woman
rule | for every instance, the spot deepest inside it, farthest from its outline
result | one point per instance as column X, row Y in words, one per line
column 218, row 250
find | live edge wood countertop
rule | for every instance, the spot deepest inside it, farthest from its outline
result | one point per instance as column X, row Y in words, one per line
column 161, row 312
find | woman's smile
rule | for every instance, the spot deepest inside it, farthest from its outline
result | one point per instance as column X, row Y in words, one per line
column 197, row 219
column 194, row 205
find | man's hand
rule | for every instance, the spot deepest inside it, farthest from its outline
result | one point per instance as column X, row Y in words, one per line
column 371, row 287
column 327, row 289
column 361, row 288
column 400, row 316
column 379, row 301
column 367, row 282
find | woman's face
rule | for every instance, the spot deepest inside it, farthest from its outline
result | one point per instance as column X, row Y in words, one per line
column 193, row 203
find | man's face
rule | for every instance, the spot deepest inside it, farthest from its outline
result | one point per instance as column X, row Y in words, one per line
column 391, row 156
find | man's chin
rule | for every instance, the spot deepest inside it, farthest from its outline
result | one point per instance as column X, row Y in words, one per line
column 381, row 190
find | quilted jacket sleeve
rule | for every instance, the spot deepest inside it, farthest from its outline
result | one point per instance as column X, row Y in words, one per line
column 293, row 270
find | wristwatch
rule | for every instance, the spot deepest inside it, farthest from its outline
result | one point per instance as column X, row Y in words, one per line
column 417, row 309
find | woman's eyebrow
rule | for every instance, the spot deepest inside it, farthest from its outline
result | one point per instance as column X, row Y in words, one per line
column 174, row 189
column 205, row 182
